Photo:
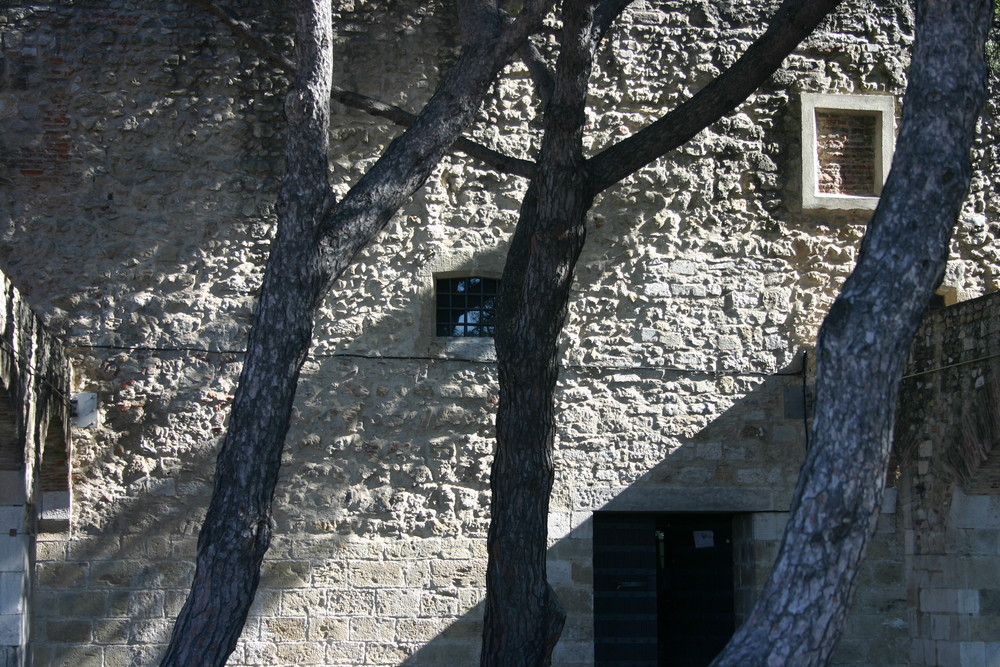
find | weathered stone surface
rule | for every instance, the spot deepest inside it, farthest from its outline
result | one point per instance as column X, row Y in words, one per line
column 140, row 162
column 946, row 446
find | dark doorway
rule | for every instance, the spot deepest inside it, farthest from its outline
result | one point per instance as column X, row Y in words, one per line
column 663, row 588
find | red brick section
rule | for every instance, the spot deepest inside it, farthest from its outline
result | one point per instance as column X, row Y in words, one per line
column 51, row 157
column 49, row 154
column 53, row 160
column 846, row 149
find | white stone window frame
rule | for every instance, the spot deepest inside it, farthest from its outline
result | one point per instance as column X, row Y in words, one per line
column 457, row 264
column 883, row 108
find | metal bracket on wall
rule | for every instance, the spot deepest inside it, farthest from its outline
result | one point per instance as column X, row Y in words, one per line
column 84, row 409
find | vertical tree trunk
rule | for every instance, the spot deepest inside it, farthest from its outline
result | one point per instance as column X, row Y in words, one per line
column 864, row 343
column 236, row 532
column 523, row 619
column 523, row 616
column 316, row 241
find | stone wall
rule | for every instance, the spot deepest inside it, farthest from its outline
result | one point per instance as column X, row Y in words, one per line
column 947, row 436
column 141, row 242
column 34, row 422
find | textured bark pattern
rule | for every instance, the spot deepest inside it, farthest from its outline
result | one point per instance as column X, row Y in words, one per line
column 315, row 243
column 523, row 617
column 864, row 343
column 237, row 532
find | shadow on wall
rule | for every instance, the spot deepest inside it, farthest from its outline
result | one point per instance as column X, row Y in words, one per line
column 365, row 571
column 666, row 567
column 111, row 592
column 716, row 469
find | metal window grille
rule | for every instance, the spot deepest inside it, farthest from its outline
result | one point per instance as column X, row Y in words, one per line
column 466, row 306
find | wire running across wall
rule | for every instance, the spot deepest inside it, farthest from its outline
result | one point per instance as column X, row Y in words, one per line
column 801, row 371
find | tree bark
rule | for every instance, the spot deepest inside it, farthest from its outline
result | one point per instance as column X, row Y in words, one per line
column 237, row 531
column 316, row 241
column 523, row 617
column 864, row 343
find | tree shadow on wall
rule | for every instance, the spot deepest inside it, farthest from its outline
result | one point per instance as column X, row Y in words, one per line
column 338, row 562
column 682, row 459
column 739, row 470
column 362, row 569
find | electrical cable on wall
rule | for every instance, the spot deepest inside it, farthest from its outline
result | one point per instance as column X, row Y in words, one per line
column 378, row 357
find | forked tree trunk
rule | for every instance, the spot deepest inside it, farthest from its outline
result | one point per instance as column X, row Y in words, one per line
column 864, row 343
column 316, row 240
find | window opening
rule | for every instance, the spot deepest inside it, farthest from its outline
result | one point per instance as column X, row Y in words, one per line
column 845, row 145
column 54, row 512
column 466, row 307
column 11, row 447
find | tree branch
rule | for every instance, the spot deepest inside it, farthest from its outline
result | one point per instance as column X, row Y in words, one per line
column 793, row 21
column 501, row 162
column 606, row 14
column 478, row 19
column 409, row 159
column 492, row 158
column 539, row 70
column 244, row 32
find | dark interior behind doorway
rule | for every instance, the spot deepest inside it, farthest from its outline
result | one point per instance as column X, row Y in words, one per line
column 663, row 588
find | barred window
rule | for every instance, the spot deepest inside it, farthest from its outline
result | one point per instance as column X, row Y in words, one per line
column 466, row 306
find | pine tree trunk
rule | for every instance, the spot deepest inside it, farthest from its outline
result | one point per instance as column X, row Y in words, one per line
column 316, row 241
column 523, row 616
column 237, row 531
column 864, row 343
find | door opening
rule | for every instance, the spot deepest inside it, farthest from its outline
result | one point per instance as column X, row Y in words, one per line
column 663, row 588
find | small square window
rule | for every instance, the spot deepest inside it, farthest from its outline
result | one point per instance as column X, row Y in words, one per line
column 466, row 307
column 847, row 144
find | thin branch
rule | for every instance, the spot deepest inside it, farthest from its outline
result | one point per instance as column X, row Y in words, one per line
column 492, row 158
column 488, row 156
column 411, row 157
column 539, row 70
column 793, row 21
column 606, row 14
column 244, row 32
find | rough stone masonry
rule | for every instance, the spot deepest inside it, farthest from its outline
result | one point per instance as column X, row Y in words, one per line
column 139, row 162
